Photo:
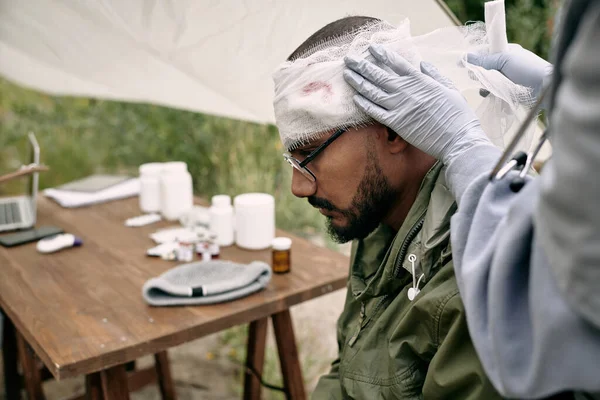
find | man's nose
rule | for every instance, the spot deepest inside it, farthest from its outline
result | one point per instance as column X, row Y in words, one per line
column 301, row 185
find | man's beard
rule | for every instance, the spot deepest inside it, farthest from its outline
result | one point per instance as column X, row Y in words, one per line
column 370, row 205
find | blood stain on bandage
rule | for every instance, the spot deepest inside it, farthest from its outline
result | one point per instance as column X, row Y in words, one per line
column 316, row 86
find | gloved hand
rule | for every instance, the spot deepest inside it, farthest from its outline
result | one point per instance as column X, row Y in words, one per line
column 423, row 107
column 519, row 65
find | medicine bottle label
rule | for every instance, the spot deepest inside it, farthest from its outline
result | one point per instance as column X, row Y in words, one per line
column 281, row 261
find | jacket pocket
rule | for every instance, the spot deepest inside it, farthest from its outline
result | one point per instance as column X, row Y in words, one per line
column 406, row 384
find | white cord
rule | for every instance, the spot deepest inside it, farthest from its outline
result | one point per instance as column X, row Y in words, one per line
column 419, row 281
column 414, row 290
column 412, row 258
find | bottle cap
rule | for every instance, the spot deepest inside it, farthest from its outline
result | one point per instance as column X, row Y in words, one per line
column 151, row 168
column 174, row 166
column 221, row 200
column 253, row 200
column 281, row 243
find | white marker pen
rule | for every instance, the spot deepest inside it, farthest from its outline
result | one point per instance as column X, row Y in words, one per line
column 58, row 242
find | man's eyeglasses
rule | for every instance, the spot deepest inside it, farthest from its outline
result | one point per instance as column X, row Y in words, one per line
column 301, row 165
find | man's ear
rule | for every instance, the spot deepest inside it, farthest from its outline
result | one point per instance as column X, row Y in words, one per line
column 395, row 143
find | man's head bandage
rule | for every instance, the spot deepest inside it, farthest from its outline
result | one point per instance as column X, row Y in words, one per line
column 312, row 98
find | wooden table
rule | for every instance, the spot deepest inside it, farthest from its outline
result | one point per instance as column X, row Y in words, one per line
column 82, row 312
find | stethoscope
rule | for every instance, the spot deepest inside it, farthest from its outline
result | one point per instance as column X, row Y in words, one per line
column 520, row 161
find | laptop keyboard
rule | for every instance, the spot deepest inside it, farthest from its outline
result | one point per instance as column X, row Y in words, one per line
column 9, row 213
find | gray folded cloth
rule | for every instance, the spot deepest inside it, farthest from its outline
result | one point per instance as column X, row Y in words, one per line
column 206, row 282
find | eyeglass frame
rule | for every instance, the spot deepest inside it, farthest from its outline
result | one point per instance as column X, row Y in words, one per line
column 301, row 165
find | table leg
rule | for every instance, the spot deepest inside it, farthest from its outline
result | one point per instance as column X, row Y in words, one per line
column 93, row 387
column 255, row 357
column 12, row 380
column 31, row 372
column 163, row 372
column 288, row 355
column 114, row 383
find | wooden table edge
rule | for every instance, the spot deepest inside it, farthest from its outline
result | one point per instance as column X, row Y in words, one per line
column 164, row 343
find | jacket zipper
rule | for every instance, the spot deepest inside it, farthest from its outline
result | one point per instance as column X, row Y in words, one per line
column 409, row 238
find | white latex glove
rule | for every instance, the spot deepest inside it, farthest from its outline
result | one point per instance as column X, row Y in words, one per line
column 519, row 65
column 423, row 107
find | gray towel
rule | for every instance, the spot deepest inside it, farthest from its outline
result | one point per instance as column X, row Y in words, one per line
column 206, row 282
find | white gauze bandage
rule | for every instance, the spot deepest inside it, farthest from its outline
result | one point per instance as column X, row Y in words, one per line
column 312, row 98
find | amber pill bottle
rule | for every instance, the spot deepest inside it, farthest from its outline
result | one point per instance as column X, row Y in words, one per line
column 281, row 262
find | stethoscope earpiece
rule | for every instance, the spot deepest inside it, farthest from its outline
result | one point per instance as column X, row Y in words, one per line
column 504, row 165
column 521, row 162
column 412, row 293
column 517, row 184
column 414, row 290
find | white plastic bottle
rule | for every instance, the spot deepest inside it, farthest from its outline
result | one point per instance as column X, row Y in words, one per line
column 176, row 190
column 254, row 220
column 150, row 187
column 221, row 219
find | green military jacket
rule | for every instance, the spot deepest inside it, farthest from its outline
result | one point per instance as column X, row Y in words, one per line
column 394, row 348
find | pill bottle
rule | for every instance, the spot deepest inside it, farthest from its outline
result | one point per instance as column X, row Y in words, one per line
column 201, row 243
column 185, row 252
column 150, row 187
column 254, row 220
column 221, row 219
column 281, row 263
column 213, row 246
column 177, row 196
column 206, row 255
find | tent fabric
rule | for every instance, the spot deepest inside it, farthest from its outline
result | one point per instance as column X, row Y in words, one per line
column 214, row 57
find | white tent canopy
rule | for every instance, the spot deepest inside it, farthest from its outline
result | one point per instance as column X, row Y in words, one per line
column 209, row 56
column 214, row 57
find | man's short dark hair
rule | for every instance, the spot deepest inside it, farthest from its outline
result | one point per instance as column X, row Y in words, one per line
column 330, row 32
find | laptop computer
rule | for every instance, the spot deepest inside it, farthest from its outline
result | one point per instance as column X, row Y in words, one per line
column 19, row 212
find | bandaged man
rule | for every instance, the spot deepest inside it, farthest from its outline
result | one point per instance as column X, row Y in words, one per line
column 402, row 333
column 527, row 262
